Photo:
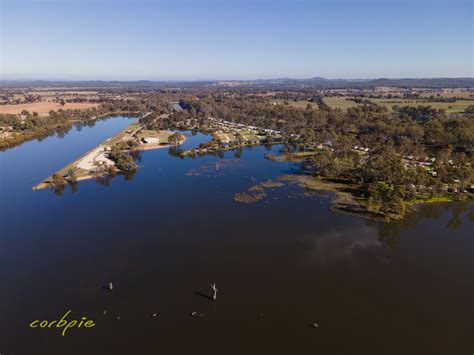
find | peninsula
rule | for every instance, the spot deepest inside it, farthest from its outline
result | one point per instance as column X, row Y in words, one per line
column 112, row 156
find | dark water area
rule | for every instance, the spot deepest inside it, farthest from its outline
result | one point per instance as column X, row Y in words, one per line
column 163, row 235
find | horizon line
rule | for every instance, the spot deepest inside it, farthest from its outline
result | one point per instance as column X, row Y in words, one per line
column 231, row 80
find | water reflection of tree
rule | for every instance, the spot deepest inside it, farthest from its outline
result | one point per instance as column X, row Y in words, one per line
column 136, row 155
column 388, row 235
column 175, row 151
column 458, row 210
column 58, row 190
column 388, row 232
column 238, row 153
column 89, row 123
column 105, row 180
column 129, row 175
column 74, row 186
column 61, row 132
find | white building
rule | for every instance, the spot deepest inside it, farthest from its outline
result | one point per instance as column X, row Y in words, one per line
column 151, row 140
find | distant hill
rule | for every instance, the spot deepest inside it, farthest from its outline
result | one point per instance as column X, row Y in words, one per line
column 425, row 83
column 322, row 83
column 316, row 82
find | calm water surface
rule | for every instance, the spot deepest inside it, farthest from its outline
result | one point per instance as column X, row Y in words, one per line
column 165, row 233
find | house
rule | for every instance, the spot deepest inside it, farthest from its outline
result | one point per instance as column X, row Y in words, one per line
column 176, row 107
column 151, row 140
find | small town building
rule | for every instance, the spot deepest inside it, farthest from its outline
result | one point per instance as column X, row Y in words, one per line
column 151, row 140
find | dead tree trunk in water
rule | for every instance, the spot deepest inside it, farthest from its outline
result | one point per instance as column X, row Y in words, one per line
column 214, row 296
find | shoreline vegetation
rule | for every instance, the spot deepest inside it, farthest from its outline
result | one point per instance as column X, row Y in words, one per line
column 351, row 199
column 356, row 199
column 29, row 126
column 347, row 198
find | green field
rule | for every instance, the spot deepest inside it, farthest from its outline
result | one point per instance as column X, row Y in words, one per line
column 297, row 104
column 452, row 107
column 433, row 199
column 339, row 102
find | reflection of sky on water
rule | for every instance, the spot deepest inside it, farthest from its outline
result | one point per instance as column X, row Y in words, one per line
column 341, row 246
column 374, row 238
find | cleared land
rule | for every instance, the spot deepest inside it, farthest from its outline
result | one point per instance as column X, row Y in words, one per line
column 452, row 107
column 162, row 136
column 297, row 104
column 339, row 102
column 462, row 94
column 43, row 108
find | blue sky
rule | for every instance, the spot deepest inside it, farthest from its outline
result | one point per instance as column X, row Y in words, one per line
column 232, row 39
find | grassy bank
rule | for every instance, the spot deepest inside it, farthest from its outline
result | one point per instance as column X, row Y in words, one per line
column 431, row 199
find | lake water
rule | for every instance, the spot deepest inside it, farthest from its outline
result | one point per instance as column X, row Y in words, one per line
column 165, row 233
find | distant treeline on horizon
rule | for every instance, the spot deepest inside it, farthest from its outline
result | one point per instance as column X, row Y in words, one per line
column 316, row 83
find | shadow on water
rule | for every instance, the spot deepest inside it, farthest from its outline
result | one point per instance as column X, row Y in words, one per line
column 204, row 295
column 388, row 232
